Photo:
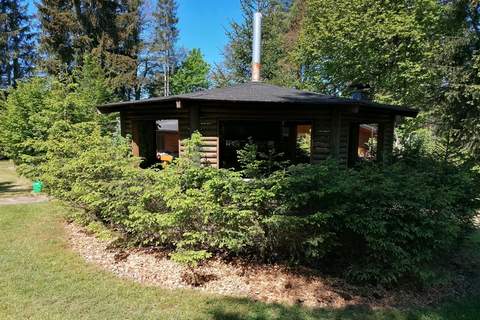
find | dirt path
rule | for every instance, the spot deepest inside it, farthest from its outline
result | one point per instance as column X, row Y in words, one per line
column 15, row 189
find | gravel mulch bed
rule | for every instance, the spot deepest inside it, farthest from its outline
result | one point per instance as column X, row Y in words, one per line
column 267, row 283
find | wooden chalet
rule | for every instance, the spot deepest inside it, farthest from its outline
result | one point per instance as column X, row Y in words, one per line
column 272, row 116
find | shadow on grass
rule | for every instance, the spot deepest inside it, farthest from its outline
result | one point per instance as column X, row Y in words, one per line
column 247, row 310
column 45, row 280
column 260, row 311
column 11, row 188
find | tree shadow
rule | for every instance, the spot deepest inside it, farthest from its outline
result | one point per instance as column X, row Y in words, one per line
column 245, row 309
column 11, row 188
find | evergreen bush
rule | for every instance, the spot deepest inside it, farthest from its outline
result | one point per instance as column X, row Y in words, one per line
column 375, row 223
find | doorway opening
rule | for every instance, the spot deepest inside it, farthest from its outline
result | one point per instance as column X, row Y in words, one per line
column 167, row 140
column 303, row 143
column 363, row 143
column 285, row 140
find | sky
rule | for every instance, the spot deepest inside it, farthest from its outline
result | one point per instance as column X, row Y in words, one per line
column 202, row 24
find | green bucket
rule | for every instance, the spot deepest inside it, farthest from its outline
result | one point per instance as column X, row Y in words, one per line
column 37, row 186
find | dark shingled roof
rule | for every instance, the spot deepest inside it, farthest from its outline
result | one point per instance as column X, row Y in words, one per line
column 258, row 92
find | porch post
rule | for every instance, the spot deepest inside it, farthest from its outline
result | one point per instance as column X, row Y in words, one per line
column 194, row 118
column 135, row 139
column 385, row 140
column 335, row 134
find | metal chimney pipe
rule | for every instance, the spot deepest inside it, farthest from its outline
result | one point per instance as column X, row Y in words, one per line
column 257, row 46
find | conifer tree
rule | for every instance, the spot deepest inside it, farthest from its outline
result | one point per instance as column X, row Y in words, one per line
column 456, row 109
column 109, row 29
column 192, row 75
column 124, row 55
column 17, row 44
column 163, row 48
column 60, row 31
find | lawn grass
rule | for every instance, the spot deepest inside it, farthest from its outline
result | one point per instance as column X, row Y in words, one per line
column 41, row 278
column 11, row 184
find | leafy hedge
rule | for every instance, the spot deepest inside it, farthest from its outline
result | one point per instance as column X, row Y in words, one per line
column 375, row 223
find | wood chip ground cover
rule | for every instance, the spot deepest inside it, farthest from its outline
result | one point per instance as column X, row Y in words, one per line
column 266, row 283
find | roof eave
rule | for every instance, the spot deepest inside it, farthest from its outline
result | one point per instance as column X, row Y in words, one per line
column 120, row 106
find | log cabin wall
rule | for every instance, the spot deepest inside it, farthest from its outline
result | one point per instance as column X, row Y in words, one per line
column 330, row 127
column 319, row 117
column 135, row 120
column 210, row 117
column 386, row 124
column 322, row 144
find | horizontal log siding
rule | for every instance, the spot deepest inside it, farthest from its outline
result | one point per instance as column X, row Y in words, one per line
column 209, row 151
column 388, row 139
column 328, row 128
column 125, row 124
column 321, row 147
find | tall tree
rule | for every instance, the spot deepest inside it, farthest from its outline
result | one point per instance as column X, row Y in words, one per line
column 123, row 57
column 110, row 29
column 60, row 38
column 192, row 75
column 163, row 48
column 17, row 42
column 387, row 44
column 457, row 109
column 238, row 53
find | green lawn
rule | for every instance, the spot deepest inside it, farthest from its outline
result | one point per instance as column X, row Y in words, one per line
column 40, row 278
column 11, row 184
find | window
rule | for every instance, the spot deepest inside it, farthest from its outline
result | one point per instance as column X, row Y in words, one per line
column 363, row 142
column 303, row 143
column 367, row 142
column 167, row 138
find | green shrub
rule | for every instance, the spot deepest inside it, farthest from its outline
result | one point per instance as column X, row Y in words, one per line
column 374, row 223
column 30, row 110
column 256, row 164
column 386, row 222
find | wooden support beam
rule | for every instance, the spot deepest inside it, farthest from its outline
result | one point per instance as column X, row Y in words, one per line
column 353, row 144
column 385, row 138
column 135, row 139
column 123, row 130
column 381, row 143
column 320, row 140
column 335, row 134
column 194, row 118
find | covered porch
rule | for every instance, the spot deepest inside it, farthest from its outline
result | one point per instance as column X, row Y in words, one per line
column 272, row 117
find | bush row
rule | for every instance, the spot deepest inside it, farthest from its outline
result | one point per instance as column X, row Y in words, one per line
column 374, row 223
